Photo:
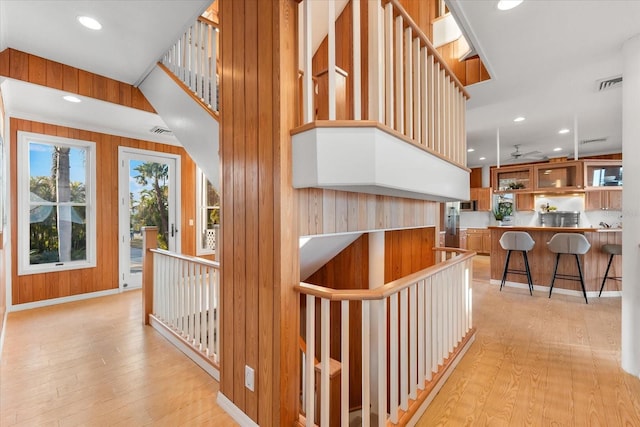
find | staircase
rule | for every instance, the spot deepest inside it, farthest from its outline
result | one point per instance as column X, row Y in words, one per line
column 183, row 89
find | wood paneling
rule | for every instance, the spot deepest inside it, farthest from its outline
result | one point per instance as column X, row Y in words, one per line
column 259, row 224
column 423, row 12
column 329, row 211
column 3, row 273
column 37, row 287
column 408, row 251
column 34, row 69
column 475, row 178
column 541, row 260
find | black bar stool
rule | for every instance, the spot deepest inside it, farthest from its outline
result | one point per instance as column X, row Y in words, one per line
column 572, row 244
column 612, row 250
column 517, row 241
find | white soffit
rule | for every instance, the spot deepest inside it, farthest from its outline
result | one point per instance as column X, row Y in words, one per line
column 369, row 160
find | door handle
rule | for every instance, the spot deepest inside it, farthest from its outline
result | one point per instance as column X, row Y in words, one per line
column 174, row 230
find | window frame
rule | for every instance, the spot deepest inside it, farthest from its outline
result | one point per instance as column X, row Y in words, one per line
column 23, row 190
column 201, row 196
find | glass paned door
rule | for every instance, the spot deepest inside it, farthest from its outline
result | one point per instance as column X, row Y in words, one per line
column 148, row 197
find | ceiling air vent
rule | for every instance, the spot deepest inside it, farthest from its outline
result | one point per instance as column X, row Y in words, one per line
column 609, row 83
column 160, row 131
column 593, row 141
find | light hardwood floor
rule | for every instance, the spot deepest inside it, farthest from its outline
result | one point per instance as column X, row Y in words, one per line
column 538, row 362
column 92, row 363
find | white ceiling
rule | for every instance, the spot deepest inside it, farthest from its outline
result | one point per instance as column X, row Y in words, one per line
column 134, row 35
column 544, row 58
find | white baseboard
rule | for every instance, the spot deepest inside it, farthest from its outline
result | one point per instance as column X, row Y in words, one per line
column 235, row 412
column 416, row 417
column 62, row 300
column 188, row 351
column 556, row 290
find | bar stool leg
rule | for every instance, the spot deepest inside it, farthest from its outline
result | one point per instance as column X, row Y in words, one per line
column 528, row 270
column 584, row 291
column 506, row 267
column 555, row 270
column 606, row 273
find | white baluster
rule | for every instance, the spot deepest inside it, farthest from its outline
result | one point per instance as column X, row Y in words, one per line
column 324, row 362
column 388, row 66
column 357, row 73
column 381, row 353
column 366, row 363
column 331, row 60
column 393, row 357
column 408, row 81
column 421, row 331
column 344, row 356
column 413, row 342
column 429, row 335
column 310, row 368
column 404, row 348
column 398, row 70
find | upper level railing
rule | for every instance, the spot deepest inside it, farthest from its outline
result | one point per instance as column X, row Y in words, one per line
column 193, row 60
column 419, row 321
column 410, row 87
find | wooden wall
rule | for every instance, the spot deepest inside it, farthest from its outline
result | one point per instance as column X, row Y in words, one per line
column 259, row 219
column 408, row 251
column 329, row 211
column 475, row 178
column 37, row 287
column 34, row 69
column 469, row 71
column 423, row 12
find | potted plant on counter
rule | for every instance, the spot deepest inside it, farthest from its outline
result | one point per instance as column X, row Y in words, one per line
column 502, row 213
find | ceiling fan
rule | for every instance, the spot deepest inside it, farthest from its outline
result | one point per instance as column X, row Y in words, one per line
column 518, row 155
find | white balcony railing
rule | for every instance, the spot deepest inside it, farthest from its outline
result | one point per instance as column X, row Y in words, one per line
column 423, row 321
column 410, row 89
column 193, row 60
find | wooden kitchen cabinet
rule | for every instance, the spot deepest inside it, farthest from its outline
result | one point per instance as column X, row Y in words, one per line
column 512, row 178
column 525, row 202
column 603, row 200
column 559, row 176
column 483, row 197
column 479, row 240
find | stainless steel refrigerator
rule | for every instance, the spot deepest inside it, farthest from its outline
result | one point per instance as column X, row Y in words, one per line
column 452, row 225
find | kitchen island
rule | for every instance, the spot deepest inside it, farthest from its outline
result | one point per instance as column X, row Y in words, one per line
column 542, row 260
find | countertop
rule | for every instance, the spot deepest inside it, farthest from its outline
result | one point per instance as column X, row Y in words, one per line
column 556, row 229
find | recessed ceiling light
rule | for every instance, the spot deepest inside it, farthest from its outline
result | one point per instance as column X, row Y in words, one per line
column 563, row 131
column 482, row 158
column 557, row 149
column 71, row 98
column 470, row 150
column 89, row 22
column 508, row 4
column 519, row 119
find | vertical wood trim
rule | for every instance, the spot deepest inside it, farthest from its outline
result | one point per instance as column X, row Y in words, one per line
column 388, row 66
column 399, row 75
column 331, row 60
column 408, row 81
column 357, row 60
column 307, row 91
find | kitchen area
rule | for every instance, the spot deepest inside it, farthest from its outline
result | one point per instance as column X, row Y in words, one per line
column 544, row 198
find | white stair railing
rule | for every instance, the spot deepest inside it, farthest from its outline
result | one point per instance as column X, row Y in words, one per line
column 186, row 292
column 193, row 58
column 426, row 318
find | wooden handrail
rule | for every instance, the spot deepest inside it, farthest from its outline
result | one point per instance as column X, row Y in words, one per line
column 208, row 22
column 196, row 260
column 400, row 11
column 387, row 289
column 370, row 123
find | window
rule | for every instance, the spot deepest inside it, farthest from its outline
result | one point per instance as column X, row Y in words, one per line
column 56, row 204
column 208, row 215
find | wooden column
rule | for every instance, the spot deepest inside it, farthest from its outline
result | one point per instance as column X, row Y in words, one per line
column 149, row 241
column 259, row 256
